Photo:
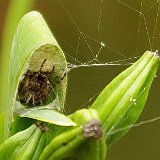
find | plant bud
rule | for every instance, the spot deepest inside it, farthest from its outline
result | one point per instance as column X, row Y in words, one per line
column 119, row 105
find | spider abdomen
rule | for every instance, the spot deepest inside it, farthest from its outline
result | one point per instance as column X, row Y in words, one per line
column 34, row 89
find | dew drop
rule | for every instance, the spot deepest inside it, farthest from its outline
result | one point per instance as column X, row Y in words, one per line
column 134, row 100
column 90, row 99
column 103, row 44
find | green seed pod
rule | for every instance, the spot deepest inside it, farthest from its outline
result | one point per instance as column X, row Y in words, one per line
column 92, row 149
column 14, row 143
column 121, row 102
column 64, row 145
column 27, row 151
column 41, row 145
column 91, row 124
column 27, row 144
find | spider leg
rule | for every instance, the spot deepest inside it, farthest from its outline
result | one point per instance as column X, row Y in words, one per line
column 28, row 98
column 27, row 73
column 63, row 76
column 33, row 100
column 52, row 70
column 61, row 79
column 42, row 64
column 51, row 86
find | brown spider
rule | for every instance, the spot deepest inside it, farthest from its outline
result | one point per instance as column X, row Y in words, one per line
column 35, row 88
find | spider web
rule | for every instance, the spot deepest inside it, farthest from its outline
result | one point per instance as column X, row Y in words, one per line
column 103, row 38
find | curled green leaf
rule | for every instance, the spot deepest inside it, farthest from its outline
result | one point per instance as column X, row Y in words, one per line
column 37, row 74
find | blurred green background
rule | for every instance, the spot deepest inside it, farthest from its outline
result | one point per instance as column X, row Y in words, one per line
column 127, row 28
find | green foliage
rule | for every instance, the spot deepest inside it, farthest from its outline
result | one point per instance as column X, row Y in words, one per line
column 87, row 133
column 16, row 10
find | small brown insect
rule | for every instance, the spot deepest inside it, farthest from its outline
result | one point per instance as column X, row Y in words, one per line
column 35, row 88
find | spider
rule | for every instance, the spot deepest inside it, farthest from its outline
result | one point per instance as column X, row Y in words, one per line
column 35, row 88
